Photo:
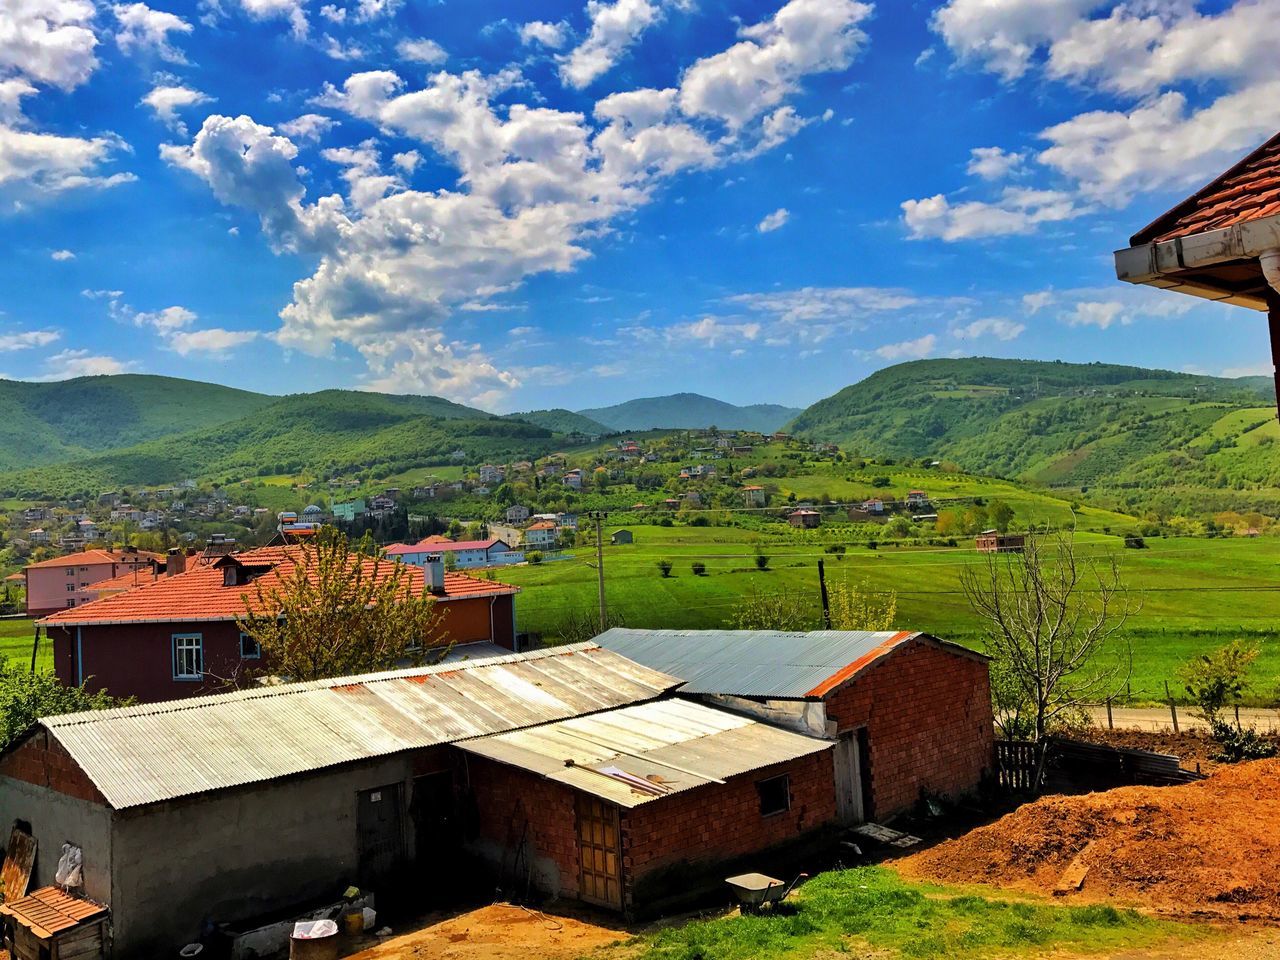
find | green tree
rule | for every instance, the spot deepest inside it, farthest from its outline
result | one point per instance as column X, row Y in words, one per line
column 1216, row 680
column 1000, row 515
column 788, row 611
column 665, row 567
column 854, row 606
column 338, row 612
column 27, row 696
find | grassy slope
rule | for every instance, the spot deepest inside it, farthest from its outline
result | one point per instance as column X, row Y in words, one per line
column 15, row 643
column 49, row 422
column 560, row 420
column 870, row 911
column 690, row 410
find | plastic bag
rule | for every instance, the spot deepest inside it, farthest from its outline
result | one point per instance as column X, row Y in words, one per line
column 314, row 930
column 70, row 872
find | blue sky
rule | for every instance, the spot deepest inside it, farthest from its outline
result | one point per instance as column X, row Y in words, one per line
column 524, row 205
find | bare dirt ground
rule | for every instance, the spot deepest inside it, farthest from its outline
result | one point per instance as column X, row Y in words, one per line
column 499, row 932
column 1206, row 850
column 1194, row 747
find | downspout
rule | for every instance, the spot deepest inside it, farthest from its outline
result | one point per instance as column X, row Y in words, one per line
column 1269, row 261
column 79, row 659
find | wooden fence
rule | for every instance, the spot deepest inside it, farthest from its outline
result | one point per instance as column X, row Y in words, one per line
column 1059, row 765
column 1017, row 764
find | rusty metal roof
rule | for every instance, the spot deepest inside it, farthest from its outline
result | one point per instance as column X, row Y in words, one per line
column 160, row 751
column 636, row 754
column 770, row 664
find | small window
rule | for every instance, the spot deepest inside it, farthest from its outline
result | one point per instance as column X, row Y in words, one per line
column 775, row 795
column 188, row 656
column 71, row 588
column 71, row 603
column 71, row 571
column 250, row 649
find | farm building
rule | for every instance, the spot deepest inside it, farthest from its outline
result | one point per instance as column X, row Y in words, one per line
column 909, row 713
column 465, row 554
column 621, row 536
column 177, row 635
column 805, row 518
column 993, row 541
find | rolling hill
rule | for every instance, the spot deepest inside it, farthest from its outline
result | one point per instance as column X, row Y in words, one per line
column 330, row 432
column 1152, row 438
column 44, row 423
column 690, row 411
column 560, row 420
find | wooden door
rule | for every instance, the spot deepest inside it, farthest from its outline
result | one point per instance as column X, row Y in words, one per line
column 848, row 780
column 379, row 834
column 599, row 852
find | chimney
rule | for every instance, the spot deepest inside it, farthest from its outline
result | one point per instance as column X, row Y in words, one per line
column 175, row 563
column 433, row 573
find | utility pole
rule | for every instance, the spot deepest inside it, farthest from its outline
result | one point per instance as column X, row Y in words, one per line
column 598, row 516
column 826, row 603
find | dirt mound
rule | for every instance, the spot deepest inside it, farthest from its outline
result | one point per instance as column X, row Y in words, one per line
column 1206, row 847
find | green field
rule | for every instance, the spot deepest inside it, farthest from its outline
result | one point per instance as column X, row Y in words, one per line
column 15, row 643
column 1195, row 594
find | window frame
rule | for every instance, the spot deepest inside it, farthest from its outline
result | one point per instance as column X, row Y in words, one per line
column 198, row 647
column 762, row 785
column 257, row 647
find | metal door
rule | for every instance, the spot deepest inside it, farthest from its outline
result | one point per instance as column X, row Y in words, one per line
column 379, row 833
column 599, row 852
column 848, row 780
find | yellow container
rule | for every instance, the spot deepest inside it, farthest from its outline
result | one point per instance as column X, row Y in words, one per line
column 353, row 923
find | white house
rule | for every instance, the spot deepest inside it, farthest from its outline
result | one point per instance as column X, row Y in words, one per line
column 466, row 554
column 517, row 513
column 542, row 535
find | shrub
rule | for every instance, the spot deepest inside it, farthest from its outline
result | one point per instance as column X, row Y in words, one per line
column 1214, row 680
column 871, row 544
column 1134, row 542
column 665, row 567
column 1239, row 744
column 534, row 556
column 699, row 568
column 762, row 562
column 699, row 522
column 835, row 548
column 880, row 481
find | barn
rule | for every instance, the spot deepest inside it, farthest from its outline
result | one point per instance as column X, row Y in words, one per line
column 909, row 714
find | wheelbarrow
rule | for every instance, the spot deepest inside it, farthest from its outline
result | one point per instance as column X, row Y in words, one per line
column 754, row 890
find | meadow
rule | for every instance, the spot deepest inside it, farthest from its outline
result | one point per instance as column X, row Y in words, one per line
column 15, row 643
column 1192, row 595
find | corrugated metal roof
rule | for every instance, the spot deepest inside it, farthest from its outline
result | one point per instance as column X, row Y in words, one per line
column 159, row 751
column 635, row 754
column 755, row 663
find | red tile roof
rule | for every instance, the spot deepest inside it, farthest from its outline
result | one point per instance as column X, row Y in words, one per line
column 88, row 557
column 444, row 546
column 1248, row 191
column 199, row 593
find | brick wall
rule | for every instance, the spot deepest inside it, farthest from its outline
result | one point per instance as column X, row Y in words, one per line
column 927, row 711
column 506, row 797
column 42, row 761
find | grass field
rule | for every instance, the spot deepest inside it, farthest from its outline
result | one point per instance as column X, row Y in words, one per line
column 871, row 912
column 15, row 643
column 1195, row 594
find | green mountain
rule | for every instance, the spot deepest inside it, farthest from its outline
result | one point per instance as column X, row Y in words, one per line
column 560, row 420
column 332, row 432
column 690, row 411
column 1147, row 438
column 51, row 422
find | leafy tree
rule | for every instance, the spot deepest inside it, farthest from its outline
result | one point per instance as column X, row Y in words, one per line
column 788, row 611
column 665, row 567
column 1046, row 615
column 1216, row 680
column 854, row 606
column 27, row 696
column 1000, row 515
column 699, row 568
column 762, row 560
column 338, row 612
column 534, row 557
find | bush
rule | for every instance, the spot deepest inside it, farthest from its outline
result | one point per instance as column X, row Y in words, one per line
column 1215, row 680
column 665, row 567
column 871, row 544
column 699, row 568
column 1134, row 542
column 1239, row 744
column 880, row 481
column 534, row 556
column 835, row 548
column 762, row 562
column 699, row 522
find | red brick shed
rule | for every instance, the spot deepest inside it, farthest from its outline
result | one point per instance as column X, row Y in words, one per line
column 910, row 714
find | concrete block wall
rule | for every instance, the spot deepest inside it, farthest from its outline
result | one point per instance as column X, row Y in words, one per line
column 927, row 711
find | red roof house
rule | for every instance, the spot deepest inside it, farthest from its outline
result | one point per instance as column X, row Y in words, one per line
column 68, row 581
column 177, row 635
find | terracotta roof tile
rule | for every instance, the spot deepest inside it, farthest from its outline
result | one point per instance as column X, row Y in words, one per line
column 1247, row 191
column 87, row 557
column 199, row 593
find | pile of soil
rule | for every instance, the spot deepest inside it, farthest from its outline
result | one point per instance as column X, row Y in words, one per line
column 1210, row 847
column 1195, row 748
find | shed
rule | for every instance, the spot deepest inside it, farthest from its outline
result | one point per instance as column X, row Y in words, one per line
column 621, row 536
column 805, row 518
column 909, row 712
column 1221, row 243
column 993, row 541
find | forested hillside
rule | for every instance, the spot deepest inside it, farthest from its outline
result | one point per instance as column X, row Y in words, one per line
column 560, row 420
column 690, row 411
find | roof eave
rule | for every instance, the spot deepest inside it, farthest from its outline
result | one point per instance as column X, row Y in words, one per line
column 1164, row 263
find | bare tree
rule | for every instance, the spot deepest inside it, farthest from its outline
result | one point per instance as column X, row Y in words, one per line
column 1047, row 615
column 339, row 612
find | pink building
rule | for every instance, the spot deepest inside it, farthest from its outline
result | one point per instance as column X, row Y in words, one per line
column 67, row 581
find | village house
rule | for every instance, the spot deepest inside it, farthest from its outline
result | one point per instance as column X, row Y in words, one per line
column 805, row 519
column 753, row 496
column 541, row 535
column 621, row 536
column 917, row 499
column 910, row 713
column 874, row 506
column 993, row 541
column 572, row 479
column 67, row 581
column 517, row 513
column 465, row 554
column 177, row 635
column 490, row 474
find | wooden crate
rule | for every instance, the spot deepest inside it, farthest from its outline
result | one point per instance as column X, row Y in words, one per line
column 49, row 924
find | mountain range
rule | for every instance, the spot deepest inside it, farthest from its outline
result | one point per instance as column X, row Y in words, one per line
column 690, row 411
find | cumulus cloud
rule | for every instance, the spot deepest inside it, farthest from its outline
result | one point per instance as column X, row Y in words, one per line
column 773, row 221
column 61, row 255
column 1017, row 211
column 615, row 27
column 48, row 41
column 166, row 101
column 916, row 349
column 308, row 127
column 1033, row 303
column 993, row 163
column 144, row 30
column 26, row 339
column 422, row 51
column 67, row 364
column 46, row 163
column 997, row 327
column 535, row 186
column 175, row 327
column 290, row 10
column 1100, row 314
column 1104, row 308
column 212, row 341
column 551, row 35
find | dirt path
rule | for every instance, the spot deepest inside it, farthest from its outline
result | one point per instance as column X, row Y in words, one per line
column 497, row 932
column 1259, row 945
column 1159, row 718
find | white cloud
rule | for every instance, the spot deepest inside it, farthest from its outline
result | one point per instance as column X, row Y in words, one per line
column 916, row 349
column 1033, row 303
column 1100, row 314
column 552, row 35
column 1017, row 211
column 1248, row 370
column 1003, row 35
column 291, row 10
column 367, row 10
column 713, row 332
column 166, row 321
column 212, row 341
column 407, row 161
column 48, row 41
column 764, row 67
column 26, row 339
column 166, row 101
column 144, row 30
column 333, row 13
column 1103, row 308
column 81, row 363
column 175, row 328
column 61, row 255
column 808, row 305
column 615, row 27
column 422, row 51
column 308, row 127
column 102, row 294
column 997, row 327
column 993, row 163
column 45, row 163
column 774, row 221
